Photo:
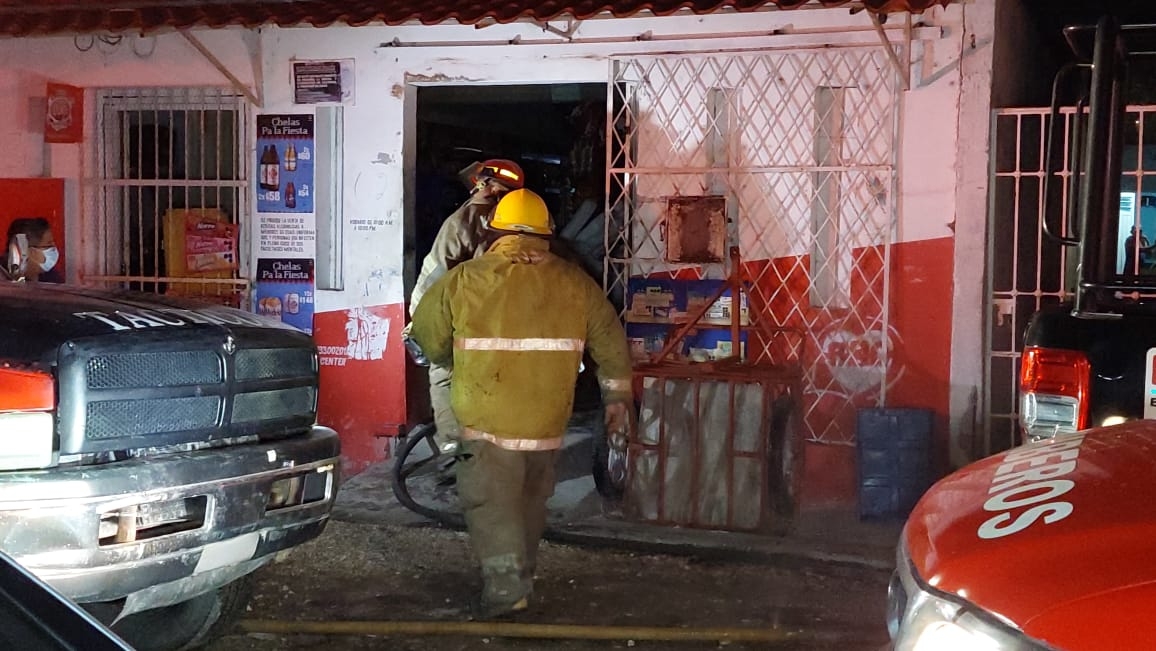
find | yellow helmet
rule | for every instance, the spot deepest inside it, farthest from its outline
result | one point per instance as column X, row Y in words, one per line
column 522, row 211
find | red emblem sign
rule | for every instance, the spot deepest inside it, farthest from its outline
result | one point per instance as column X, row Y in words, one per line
column 64, row 117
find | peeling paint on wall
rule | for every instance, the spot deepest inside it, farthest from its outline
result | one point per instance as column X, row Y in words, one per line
column 378, row 281
column 412, row 77
column 397, row 91
column 382, row 159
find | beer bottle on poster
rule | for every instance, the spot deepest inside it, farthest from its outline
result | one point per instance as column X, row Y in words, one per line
column 274, row 168
column 263, row 168
column 290, row 158
column 290, row 195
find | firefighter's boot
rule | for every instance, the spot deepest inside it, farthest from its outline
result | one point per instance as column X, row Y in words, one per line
column 505, row 589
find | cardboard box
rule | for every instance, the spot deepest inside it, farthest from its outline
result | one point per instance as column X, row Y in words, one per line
column 699, row 291
column 708, row 345
column 655, row 300
column 646, row 340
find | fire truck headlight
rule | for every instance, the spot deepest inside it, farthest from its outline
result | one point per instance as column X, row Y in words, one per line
column 922, row 619
column 954, row 636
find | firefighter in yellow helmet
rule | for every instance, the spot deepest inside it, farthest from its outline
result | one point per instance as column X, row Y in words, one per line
column 462, row 236
column 513, row 324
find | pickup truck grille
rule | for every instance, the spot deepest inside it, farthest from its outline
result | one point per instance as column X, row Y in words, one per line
column 159, row 369
column 111, row 419
column 160, row 391
column 265, row 363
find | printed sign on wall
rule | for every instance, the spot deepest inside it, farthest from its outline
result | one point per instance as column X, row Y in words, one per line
column 285, row 163
column 322, row 82
column 285, row 291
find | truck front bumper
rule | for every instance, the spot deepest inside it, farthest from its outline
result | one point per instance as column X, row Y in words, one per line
column 158, row 531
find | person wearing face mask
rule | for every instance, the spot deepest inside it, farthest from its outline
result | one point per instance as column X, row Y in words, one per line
column 42, row 254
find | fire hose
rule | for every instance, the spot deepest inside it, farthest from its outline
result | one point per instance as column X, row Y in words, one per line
column 517, row 630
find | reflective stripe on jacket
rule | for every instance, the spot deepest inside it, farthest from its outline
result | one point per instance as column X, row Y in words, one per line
column 463, row 236
column 514, row 323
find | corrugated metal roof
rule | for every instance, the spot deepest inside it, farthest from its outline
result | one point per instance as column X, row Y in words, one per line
column 43, row 17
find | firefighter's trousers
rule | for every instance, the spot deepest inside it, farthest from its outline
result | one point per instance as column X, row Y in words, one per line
column 503, row 494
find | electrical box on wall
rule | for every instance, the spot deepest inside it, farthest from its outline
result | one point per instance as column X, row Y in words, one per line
column 696, row 229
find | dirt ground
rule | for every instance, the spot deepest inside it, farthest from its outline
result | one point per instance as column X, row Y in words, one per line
column 385, row 572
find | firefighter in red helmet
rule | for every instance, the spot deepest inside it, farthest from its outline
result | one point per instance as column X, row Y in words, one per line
column 463, row 236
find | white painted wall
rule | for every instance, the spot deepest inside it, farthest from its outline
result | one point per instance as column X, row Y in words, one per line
column 973, row 115
column 942, row 143
column 376, row 156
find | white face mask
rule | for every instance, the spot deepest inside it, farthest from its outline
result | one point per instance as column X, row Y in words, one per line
column 51, row 257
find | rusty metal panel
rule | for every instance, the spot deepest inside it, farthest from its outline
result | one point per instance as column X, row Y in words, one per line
column 696, row 229
column 705, row 449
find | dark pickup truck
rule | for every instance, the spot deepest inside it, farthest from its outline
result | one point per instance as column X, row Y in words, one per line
column 155, row 453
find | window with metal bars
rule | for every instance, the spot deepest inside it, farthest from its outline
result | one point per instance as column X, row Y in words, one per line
column 170, row 189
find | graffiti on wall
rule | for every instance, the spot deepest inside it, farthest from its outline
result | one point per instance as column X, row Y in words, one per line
column 366, row 334
column 856, row 359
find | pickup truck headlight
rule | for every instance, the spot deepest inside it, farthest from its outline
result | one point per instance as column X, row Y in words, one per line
column 27, row 426
column 920, row 618
column 26, row 440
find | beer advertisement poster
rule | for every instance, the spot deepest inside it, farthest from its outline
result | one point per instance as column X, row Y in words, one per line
column 285, row 163
column 285, row 291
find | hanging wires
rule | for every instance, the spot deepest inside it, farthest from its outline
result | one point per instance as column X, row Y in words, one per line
column 141, row 45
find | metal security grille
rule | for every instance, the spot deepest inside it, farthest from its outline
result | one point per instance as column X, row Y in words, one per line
column 800, row 143
column 165, row 158
column 1026, row 270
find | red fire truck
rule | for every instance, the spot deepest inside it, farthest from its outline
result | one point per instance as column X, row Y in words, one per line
column 1049, row 545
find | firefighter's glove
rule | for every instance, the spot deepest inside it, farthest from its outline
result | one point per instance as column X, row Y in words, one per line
column 416, row 354
column 617, row 417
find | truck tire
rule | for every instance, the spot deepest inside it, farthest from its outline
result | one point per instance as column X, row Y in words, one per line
column 190, row 624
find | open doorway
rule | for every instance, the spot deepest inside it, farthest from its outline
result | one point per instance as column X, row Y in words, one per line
column 556, row 132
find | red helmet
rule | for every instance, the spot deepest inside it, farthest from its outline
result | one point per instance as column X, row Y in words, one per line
column 506, row 172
